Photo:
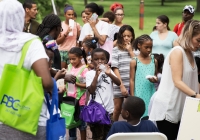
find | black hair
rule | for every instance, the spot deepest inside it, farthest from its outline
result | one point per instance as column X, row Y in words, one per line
column 160, row 59
column 101, row 50
column 135, row 106
column 140, row 40
column 120, row 39
column 91, row 42
column 49, row 22
column 28, row 4
column 154, row 28
column 75, row 15
column 197, row 60
column 82, row 12
column 110, row 15
column 95, row 8
column 164, row 19
column 78, row 52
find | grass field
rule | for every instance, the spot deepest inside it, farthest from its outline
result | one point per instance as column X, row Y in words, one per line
column 153, row 8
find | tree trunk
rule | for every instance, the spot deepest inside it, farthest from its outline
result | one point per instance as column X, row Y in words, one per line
column 198, row 6
column 162, row 2
column 85, row 2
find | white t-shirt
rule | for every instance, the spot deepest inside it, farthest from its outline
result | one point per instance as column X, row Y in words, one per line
column 35, row 52
column 101, row 26
column 104, row 90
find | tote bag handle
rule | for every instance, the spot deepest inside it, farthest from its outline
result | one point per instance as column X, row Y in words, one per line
column 54, row 102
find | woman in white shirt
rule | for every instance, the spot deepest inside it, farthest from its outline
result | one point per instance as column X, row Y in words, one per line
column 179, row 79
column 12, row 40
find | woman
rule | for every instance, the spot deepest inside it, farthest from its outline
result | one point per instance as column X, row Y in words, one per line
column 117, row 9
column 49, row 30
column 12, row 40
column 96, row 27
column 163, row 38
column 179, row 80
column 68, row 38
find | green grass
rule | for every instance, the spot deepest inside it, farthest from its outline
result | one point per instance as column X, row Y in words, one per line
column 153, row 8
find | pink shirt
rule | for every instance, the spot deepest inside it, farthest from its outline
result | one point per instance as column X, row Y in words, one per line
column 75, row 71
column 70, row 41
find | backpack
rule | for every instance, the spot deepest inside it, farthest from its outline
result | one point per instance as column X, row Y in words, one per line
column 70, row 108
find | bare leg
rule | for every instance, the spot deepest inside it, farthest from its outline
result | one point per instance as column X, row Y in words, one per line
column 83, row 134
column 117, row 108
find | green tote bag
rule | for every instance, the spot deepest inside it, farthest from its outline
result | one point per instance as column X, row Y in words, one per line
column 21, row 96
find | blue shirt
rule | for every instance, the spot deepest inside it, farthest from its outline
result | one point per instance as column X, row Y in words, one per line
column 124, row 127
column 163, row 46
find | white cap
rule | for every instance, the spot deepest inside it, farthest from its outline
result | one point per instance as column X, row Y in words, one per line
column 190, row 8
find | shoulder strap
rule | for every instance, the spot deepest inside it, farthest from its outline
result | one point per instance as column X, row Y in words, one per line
column 80, row 91
column 136, row 59
column 24, row 51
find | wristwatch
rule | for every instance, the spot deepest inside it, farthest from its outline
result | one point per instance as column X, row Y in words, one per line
column 194, row 96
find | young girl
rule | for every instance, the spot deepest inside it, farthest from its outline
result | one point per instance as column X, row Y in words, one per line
column 75, row 57
column 121, row 57
column 69, row 36
column 89, row 44
column 140, row 67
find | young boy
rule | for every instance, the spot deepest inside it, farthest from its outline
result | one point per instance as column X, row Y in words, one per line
column 99, row 82
column 132, row 111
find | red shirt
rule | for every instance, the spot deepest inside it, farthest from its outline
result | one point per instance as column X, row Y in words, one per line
column 178, row 28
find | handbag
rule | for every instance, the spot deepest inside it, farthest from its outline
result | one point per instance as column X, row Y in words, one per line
column 95, row 113
column 55, row 128
column 70, row 108
column 21, row 96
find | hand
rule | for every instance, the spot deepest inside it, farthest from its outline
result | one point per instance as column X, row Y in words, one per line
column 129, row 47
column 60, row 74
column 70, row 78
column 69, row 30
column 61, row 90
column 153, row 79
column 108, row 70
column 92, row 23
column 123, row 90
column 198, row 96
column 98, row 71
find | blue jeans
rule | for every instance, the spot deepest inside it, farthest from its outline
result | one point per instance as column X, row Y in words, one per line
column 72, row 132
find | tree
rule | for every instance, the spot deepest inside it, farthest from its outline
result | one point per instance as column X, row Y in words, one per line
column 198, row 6
column 85, row 2
column 45, row 6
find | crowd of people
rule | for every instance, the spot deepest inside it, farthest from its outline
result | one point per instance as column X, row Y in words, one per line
column 144, row 79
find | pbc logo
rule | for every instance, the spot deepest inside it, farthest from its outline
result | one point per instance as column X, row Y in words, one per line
column 10, row 102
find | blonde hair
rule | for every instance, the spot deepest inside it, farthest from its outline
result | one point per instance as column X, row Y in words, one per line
column 190, row 30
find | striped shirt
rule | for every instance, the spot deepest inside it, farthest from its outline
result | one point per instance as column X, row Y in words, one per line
column 121, row 60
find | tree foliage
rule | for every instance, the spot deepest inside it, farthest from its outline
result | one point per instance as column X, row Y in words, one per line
column 45, row 6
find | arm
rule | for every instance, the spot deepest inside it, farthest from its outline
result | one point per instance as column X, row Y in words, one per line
column 114, row 78
column 93, row 86
column 177, row 72
column 41, row 69
column 132, row 77
column 81, row 85
column 102, row 38
column 62, row 36
column 122, row 87
column 60, row 74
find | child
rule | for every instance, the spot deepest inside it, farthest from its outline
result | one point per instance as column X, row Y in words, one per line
column 89, row 44
column 121, row 57
column 99, row 82
column 75, row 57
column 160, row 59
column 132, row 111
column 140, row 67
